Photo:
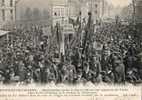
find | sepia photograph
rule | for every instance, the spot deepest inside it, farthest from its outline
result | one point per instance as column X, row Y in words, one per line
column 70, row 42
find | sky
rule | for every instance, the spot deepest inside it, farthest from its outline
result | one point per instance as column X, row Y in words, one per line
column 121, row 3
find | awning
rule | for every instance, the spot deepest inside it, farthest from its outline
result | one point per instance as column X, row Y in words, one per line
column 2, row 33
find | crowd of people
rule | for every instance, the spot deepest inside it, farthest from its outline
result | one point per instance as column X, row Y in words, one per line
column 25, row 58
column 123, row 52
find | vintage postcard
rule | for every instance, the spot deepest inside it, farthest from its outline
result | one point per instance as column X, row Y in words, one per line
column 71, row 49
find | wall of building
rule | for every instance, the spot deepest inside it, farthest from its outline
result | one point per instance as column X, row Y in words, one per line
column 139, row 11
column 61, row 11
column 106, row 9
column 94, row 6
column 33, row 12
column 59, row 14
column 7, row 12
column 100, row 9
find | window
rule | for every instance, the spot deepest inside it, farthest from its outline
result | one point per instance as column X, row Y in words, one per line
column 96, row 5
column 3, row 15
column 3, row 2
column 58, row 14
column 11, row 14
column 55, row 14
column 11, row 3
column 61, row 12
column 96, row 12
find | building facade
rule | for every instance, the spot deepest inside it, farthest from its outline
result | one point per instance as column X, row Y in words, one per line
column 7, row 12
column 59, row 11
column 59, row 14
column 94, row 6
column 63, row 9
column 138, row 13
